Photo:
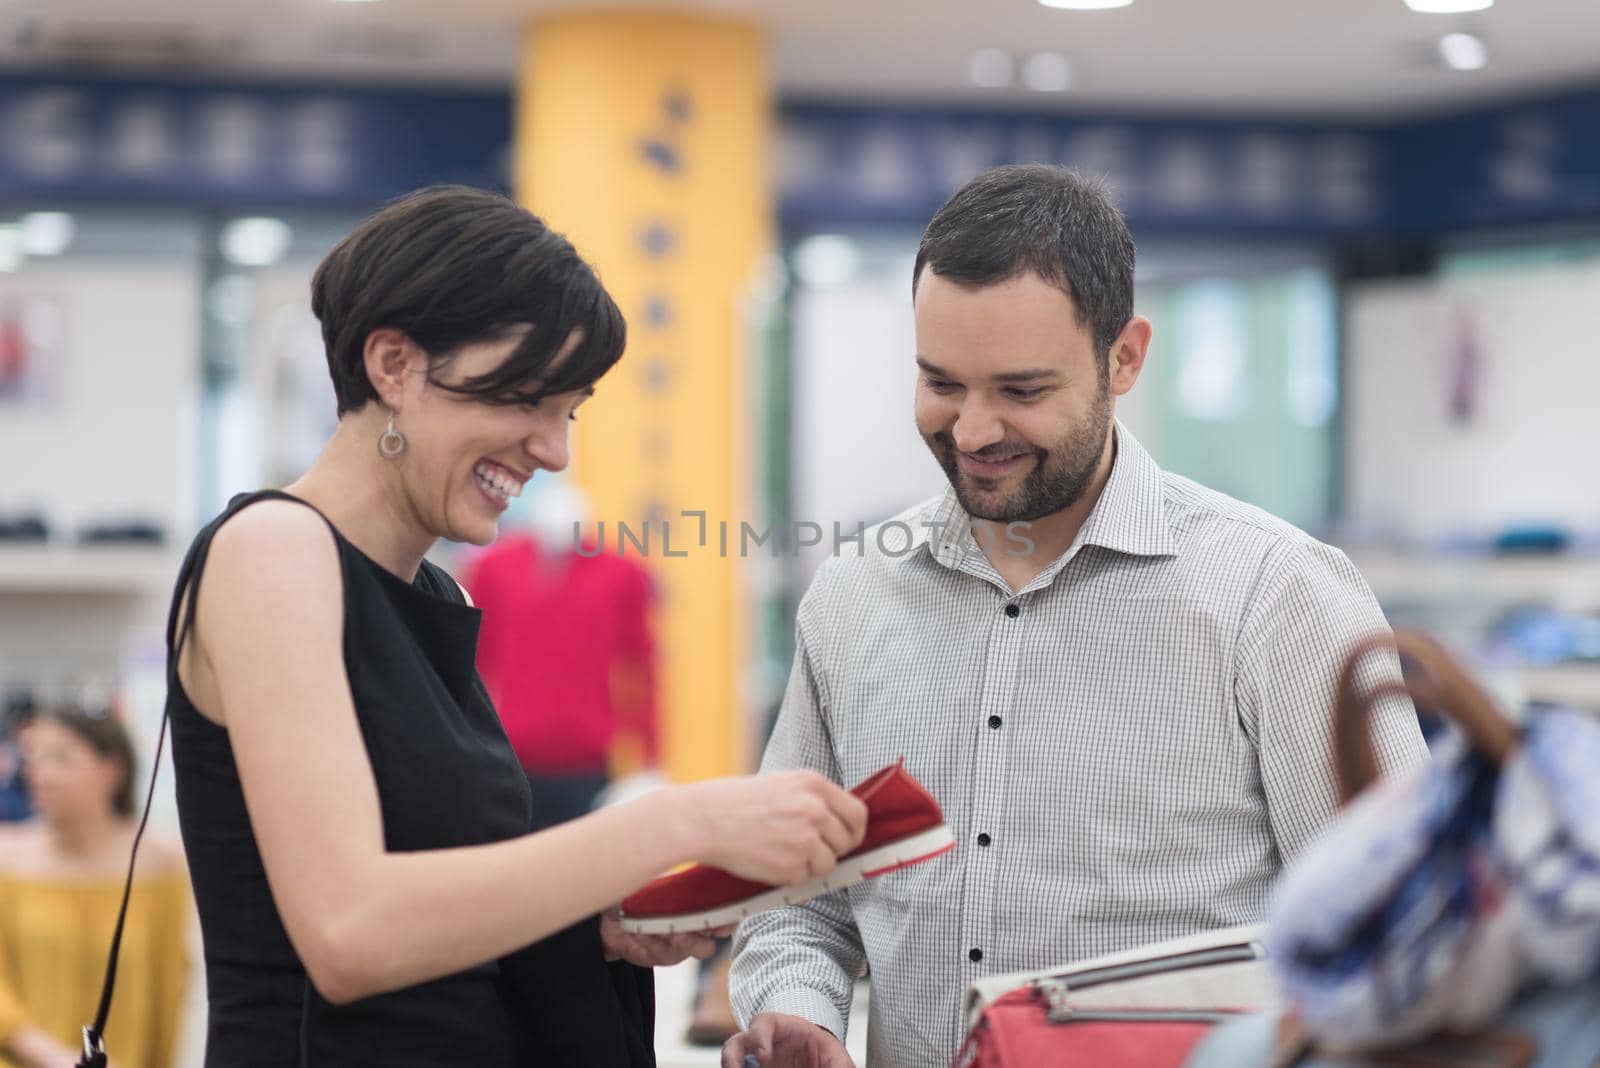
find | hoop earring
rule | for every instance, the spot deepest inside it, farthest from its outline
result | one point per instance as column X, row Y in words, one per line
column 391, row 443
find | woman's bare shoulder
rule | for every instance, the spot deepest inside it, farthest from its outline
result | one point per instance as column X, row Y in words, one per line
column 271, row 528
column 272, row 560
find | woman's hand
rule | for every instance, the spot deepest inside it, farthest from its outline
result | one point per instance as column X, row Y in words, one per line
column 781, row 829
column 655, row 951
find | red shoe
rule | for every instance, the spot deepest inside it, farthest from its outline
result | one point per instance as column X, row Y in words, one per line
column 904, row 827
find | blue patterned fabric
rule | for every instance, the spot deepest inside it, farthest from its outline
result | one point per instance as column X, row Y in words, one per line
column 1434, row 899
column 1564, row 1024
column 1547, row 831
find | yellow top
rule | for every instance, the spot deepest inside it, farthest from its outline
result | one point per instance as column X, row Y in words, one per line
column 54, row 935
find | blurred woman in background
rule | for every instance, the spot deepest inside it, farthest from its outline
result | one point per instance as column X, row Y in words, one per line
column 61, row 880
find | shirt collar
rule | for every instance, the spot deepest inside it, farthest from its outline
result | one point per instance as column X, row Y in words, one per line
column 1130, row 517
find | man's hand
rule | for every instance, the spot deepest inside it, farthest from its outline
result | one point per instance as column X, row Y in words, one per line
column 777, row 1040
column 654, row 951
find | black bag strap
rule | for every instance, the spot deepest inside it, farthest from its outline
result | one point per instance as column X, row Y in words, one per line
column 94, row 1050
column 188, row 594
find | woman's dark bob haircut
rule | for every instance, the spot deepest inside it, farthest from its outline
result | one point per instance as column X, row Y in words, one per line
column 449, row 266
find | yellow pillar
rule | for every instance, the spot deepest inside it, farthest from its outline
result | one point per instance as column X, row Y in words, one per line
column 644, row 137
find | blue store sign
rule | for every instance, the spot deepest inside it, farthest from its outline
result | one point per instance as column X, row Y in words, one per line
column 121, row 141
column 901, row 165
column 74, row 139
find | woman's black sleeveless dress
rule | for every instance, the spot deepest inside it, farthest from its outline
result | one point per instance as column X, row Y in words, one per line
column 446, row 777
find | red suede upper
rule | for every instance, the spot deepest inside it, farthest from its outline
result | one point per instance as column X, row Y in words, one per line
column 897, row 807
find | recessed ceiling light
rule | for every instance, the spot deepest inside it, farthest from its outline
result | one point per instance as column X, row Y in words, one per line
column 1448, row 7
column 992, row 68
column 1463, row 51
column 1046, row 72
column 1087, row 5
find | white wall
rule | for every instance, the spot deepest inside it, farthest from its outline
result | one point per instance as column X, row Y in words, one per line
column 116, row 440
column 857, row 455
column 1529, row 453
column 289, row 373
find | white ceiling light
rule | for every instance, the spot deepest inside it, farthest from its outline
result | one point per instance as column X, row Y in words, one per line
column 1046, row 72
column 1463, row 51
column 45, row 233
column 257, row 242
column 1448, row 7
column 1089, row 5
column 991, row 68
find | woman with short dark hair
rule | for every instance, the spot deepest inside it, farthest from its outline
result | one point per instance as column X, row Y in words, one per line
column 356, row 821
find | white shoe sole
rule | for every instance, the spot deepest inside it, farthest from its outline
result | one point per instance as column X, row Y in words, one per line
column 924, row 845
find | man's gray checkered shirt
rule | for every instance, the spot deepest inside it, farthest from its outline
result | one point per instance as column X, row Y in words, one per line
column 1127, row 757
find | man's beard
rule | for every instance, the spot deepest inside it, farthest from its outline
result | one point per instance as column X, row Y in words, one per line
column 1060, row 476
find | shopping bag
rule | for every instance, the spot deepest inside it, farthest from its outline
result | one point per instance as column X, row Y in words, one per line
column 1435, row 899
column 1147, row 1007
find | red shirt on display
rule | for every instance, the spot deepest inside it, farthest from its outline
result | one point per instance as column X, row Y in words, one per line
column 566, row 652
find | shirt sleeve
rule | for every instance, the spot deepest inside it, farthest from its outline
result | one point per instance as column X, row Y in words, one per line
column 1311, row 609
column 802, row 960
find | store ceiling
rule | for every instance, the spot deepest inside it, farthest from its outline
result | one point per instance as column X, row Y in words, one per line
column 1361, row 58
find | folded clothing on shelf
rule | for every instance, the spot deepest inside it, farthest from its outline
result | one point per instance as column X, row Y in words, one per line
column 27, row 526
column 122, row 532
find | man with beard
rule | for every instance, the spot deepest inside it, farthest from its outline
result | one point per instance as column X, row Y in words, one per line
column 1116, row 682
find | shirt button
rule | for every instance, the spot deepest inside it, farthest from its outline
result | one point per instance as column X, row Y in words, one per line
column 1013, row 611
column 994, row 723
column 975, row 955
column 984, row 839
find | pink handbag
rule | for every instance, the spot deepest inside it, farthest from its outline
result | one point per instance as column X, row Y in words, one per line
column 1147, row 1008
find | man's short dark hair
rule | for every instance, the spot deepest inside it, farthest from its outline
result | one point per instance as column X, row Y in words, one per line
column 1044, row 219
column 449, row 266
